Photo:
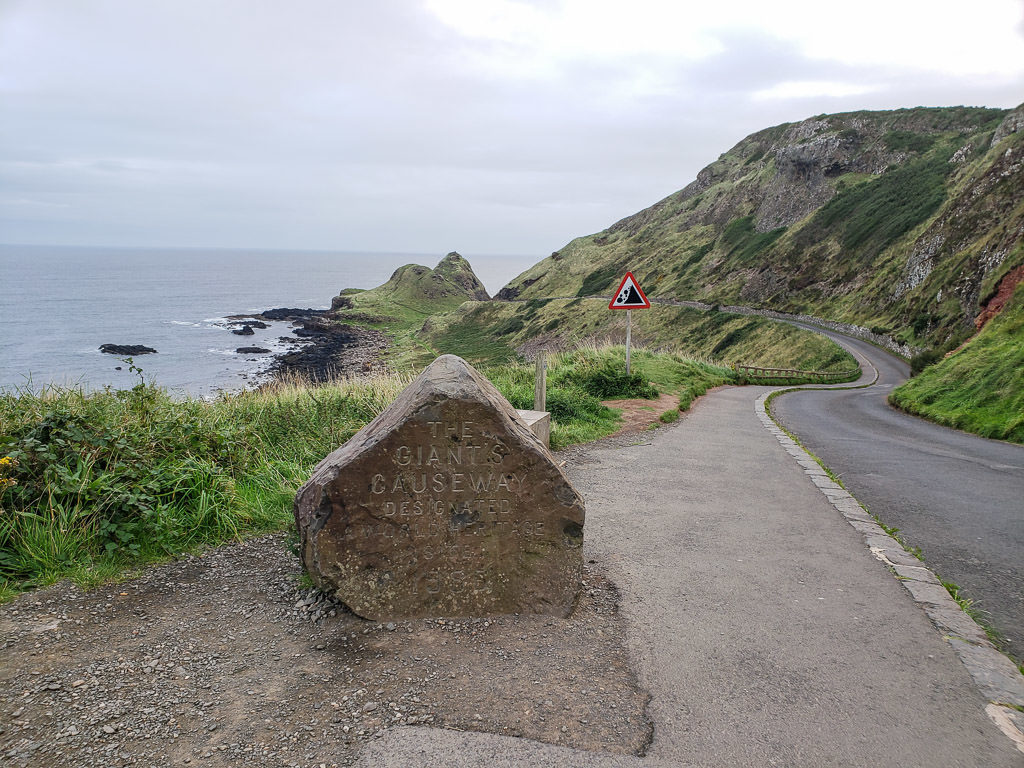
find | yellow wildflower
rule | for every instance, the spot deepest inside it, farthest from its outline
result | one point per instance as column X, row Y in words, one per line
column 7, row 463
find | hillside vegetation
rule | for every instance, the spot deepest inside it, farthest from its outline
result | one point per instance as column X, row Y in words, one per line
column 979, row 388
column 903, row 221
column 426, row 313
column 909, row 223
column 490, row 332
column 93, row 483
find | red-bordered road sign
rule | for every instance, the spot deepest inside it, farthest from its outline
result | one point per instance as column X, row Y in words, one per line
column 629, row 295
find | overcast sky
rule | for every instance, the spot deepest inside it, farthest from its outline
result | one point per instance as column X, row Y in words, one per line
column 484, row 126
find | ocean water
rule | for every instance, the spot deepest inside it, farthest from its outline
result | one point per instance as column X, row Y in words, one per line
column 59, row 304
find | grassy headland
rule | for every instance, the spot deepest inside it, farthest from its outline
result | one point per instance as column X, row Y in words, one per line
column 427, row 312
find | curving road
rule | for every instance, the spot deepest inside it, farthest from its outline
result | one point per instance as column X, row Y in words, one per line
column 958, row 497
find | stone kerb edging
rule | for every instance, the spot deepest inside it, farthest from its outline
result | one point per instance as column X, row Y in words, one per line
column 996, row 677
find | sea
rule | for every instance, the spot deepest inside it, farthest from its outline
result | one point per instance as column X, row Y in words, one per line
column 58, row 304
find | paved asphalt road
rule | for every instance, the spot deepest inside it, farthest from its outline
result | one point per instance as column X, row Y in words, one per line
column 958, row 497
column 764, row 629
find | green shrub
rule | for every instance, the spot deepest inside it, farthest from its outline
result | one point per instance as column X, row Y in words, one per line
column 669, row 416
column 600, row 279
column 568, row 405
column 871, row 216
column 908, row 141
column 922, row 360
column 608, row 380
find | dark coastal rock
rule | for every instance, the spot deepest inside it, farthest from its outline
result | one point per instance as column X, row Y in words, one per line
column 245, row 330
column 446, row 504
column 322, row 348
column 288, row 313
column 329, row 350
column 130, row 350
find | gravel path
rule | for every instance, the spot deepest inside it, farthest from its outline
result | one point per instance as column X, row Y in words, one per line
column 223, row 660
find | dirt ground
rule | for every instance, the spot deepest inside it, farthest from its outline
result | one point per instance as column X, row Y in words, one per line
column 639, row 414
column 225, row 660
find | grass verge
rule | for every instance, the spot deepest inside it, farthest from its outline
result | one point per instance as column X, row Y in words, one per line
column 95, row 483
column 980, row 388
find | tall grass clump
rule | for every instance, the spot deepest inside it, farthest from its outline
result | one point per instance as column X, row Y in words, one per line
column 579, row 379
column 92, row 482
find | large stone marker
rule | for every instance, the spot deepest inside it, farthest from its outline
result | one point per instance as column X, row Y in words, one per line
column 444, row 505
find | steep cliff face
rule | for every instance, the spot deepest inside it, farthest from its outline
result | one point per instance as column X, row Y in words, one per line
column 904, row 219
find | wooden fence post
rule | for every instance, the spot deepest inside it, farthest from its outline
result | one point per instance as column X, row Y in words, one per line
column 540, row 383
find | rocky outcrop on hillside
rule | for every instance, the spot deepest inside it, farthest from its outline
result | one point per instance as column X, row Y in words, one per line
column 455, row 270
column 452, row 278
column 1012, row 123
column 976, row 231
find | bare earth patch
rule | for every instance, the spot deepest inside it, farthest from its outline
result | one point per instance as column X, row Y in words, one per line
column 639, row 414
column 223, row 660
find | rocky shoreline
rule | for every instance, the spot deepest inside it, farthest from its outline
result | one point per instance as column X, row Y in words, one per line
column 322, row 348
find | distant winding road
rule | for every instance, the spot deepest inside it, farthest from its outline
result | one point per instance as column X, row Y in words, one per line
column 958, row 497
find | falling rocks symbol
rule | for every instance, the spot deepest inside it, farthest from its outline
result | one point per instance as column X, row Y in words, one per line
column 629, row 295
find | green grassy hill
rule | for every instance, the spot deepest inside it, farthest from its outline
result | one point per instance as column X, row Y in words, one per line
column 414, row 291
column 427, row 312
column 908, row 222
column 493, row 332
column 904, row 221
column 979, row 388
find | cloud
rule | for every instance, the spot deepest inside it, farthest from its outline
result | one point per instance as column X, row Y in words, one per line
column 489, row 126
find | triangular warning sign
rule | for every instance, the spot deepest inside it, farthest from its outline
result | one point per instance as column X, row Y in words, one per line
column 629, row 295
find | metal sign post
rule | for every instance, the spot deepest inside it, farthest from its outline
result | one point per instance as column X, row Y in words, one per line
column 629, row 332
column 629, row 296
